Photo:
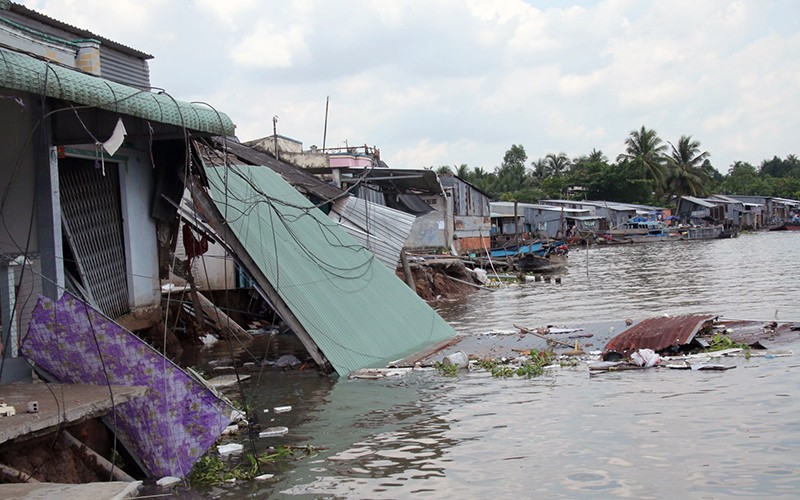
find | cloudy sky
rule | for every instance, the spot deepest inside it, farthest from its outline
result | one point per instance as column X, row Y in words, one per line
column 446, row 82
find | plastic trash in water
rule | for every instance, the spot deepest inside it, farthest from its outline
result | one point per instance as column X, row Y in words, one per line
column 229, row 449
column 458, row 359
column 282, row 409
column 646, row 358
column 167, row 481
column 273, row 432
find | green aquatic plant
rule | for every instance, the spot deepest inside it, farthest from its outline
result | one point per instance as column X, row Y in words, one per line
column 721, row 342
column 446, row 369
column 533, row 366
column 210, row 470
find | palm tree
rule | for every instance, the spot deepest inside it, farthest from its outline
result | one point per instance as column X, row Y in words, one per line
column 686, row 176
column 645, row 151
column 444, row 169
column 463, row 172
column 596, row 156
column 540, row 171
column 558, row 163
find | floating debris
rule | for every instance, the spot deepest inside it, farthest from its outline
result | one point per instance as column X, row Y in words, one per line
column 273, row 432
column 230, row 449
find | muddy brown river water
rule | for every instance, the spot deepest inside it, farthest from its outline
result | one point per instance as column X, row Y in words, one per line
column 647, row 434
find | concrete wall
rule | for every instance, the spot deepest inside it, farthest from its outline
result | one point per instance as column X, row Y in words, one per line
column 60, row 52
column 17, row 176
column 18, row 225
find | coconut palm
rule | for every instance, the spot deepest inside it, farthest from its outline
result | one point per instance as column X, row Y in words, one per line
column 645, row 151
column 596, row 156
column 558, row 163
column 540, row 171
column 686, row 175
column 444, row 169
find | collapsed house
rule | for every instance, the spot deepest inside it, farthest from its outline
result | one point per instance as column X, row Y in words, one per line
column 94, row 181
column 91, row 158
column 349, row 310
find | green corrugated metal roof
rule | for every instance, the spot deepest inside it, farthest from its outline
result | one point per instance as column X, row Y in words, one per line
column 29, row 74
column 355, row 309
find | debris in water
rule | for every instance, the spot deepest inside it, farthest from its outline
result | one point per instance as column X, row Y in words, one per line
column 167, row 481
column 273, row 432
column 229, row 449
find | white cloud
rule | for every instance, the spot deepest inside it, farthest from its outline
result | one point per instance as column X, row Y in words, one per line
column 423, row 153
column 269, row 46
column 232, row 13
column 449, row 82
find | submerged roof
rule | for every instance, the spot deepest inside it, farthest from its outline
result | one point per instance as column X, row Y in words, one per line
column 28, row 74
column 357, row 312
column 658, row 333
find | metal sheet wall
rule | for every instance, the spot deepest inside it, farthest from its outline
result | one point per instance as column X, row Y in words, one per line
column 92, row 223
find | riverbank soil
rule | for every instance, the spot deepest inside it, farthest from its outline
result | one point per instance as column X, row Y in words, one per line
column 432, row 279
column 50, row 459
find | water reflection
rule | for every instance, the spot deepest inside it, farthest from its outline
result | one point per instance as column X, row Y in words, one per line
column 752, row 276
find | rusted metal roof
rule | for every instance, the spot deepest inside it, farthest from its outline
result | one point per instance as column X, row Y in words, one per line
column 658, row 333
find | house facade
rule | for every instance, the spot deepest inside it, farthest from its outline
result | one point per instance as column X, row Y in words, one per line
column 91, row 173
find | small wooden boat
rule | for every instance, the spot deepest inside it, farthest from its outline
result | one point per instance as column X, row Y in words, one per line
column 787, row 225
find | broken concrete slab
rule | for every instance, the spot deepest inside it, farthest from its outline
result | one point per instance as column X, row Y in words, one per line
column 35, row 491
column 58, row 403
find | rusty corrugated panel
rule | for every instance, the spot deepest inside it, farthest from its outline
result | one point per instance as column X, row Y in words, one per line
column 658, row 333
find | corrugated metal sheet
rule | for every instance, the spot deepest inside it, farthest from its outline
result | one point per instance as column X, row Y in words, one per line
column 357, row 312
column 658, row 333
column 29, row 74
column 125, row 70
column 90, row 209
column 467, row 199
column 382, row 230
column 47, row 24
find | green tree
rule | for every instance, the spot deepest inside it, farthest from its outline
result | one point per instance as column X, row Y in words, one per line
column 557, row 164
column 686, row 176
column 512, row 174
column 540, row 171
column 644, row 151
column 743, row 178
column 444, row 169
column 611, row 182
